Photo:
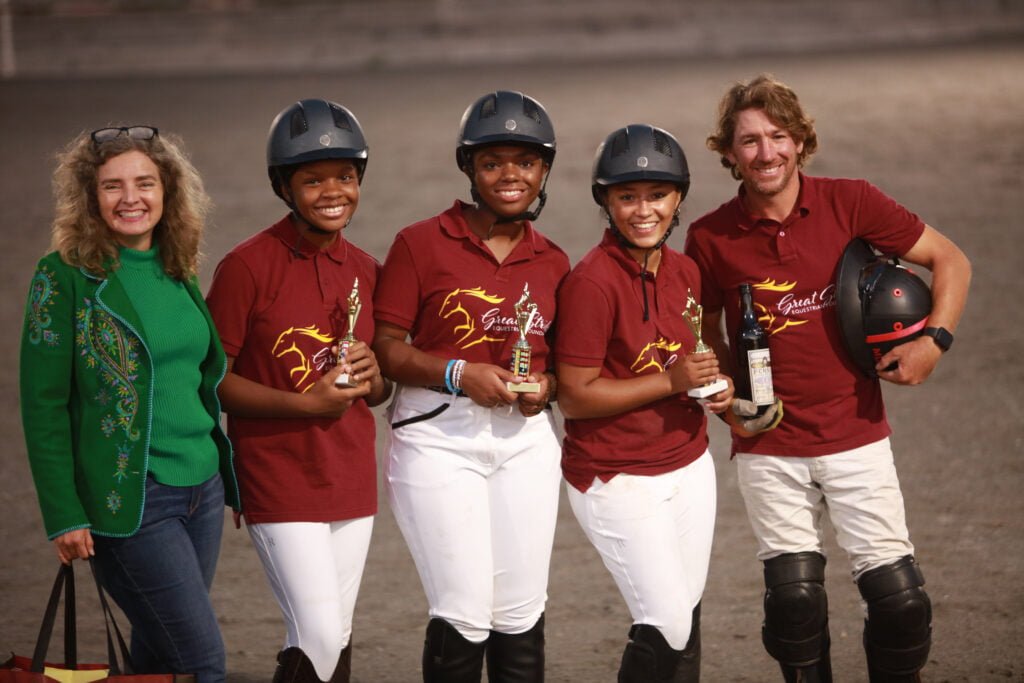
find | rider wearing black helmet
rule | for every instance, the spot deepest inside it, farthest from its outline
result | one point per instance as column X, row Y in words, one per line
column 644, row 497
column 282, row 301
column 472, row 465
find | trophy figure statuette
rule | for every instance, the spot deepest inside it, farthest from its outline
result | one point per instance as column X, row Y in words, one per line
column 354, row 306
column 526, row 311
column 693, row 314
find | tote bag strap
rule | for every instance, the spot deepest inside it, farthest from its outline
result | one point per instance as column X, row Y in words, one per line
column 64, row 583
column 108, row 621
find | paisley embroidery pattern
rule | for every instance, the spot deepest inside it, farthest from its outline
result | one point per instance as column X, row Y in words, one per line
column 41, row 294
column 107, row 347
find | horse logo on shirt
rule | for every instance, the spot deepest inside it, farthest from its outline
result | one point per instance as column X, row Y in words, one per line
column 648, row 357
column 467, row 329
column 768, row 320
column 309, row 349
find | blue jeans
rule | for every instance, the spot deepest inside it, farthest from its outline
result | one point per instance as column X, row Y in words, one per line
column 161, row 576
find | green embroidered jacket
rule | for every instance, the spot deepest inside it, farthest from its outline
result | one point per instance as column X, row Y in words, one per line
column 86, row 400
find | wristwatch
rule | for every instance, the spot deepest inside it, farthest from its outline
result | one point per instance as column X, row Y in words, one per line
column 943, row 337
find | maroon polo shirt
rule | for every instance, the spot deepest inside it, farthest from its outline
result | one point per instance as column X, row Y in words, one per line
column 279, row 304
column 829, row 405
column 442, row 283
column 601, row 325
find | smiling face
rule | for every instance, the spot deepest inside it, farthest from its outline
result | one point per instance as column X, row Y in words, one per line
column 765, row 156
column 130, row 196
column 508, row 177
column 326, row 194
column 642, row 211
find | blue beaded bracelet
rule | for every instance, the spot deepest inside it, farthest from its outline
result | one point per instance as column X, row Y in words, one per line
column 448, row 376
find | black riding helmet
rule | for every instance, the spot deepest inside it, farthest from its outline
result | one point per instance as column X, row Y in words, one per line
column 505, row 117
column 880, row 305
column 312, row 130
column 639, row 153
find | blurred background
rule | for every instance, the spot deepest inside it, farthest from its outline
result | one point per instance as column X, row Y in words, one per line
column 925, row 98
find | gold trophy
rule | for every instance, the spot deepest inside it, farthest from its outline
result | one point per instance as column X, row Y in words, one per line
column 693, row 314
column 526, row 311
column 354, row 306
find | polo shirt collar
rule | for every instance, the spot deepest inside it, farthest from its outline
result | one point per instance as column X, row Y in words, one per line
column 616, row 250
column 454, row 224
column 286, row 231
column 805, row 202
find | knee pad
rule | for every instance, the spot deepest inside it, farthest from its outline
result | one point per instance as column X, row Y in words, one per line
column 795, row 630
column 898, row 629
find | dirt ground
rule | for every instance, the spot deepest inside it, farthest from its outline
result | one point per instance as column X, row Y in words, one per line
column 939, row 129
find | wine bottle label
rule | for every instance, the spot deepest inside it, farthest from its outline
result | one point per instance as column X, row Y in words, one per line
column 759, row 366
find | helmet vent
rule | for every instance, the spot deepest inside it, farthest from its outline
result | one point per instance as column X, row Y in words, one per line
column 661, row 143
column 489, row 107
column 620, row 145
column 531, row 110
column 298, row 123
column 340, row 119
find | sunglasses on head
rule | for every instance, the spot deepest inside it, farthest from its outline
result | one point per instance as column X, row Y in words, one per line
column 102, row 135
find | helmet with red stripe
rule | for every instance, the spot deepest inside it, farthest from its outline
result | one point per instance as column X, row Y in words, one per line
column 880, row 305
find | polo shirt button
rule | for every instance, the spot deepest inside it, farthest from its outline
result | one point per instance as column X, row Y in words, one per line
column 782, row 233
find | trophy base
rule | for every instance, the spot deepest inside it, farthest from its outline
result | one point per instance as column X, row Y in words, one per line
column 344, row 381
column 708, row 389
column 523, row 387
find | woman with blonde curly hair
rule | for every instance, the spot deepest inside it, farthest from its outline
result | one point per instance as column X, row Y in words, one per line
column 120, row 364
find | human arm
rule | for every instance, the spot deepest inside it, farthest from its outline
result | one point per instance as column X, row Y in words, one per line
column 244, row 397
column 583, row 393
column 951, row 278
column 402, row 362
column 46, row 369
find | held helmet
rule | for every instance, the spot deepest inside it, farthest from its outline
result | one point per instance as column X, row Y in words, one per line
column 312, row 130
column 504, row 117
column 639, row 152
column 880, row 305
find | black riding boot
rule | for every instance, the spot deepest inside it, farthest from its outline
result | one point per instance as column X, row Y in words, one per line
column 450, row 658
column 648, row 658
column 688, row 670
column 517, row 658
column 293, row 666
column 343, row 669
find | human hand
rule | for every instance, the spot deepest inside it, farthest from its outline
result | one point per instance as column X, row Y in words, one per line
column 324, row 399
column 359, row 362
column 485, row 384
column 693, row 370
column 74, row 545
column 748, row 423
column 718, row 403
column 914, row 361
column 531, row 403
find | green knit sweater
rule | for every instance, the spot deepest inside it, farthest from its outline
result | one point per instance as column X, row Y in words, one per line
column 181, row 451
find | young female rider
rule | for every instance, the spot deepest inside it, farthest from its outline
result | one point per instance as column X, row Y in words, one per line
column 281, row 301
column 119, row 369
column 641, row 480
column 472, row 467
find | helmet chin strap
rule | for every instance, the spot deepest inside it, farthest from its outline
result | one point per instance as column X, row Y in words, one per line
column 542, row 198
column 647, row 253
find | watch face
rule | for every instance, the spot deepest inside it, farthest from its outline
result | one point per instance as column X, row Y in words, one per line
column 941, row 335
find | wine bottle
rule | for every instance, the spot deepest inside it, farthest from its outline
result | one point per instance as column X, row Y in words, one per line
column 753, row 359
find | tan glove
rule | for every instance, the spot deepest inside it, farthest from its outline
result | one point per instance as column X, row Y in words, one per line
column 753, row 423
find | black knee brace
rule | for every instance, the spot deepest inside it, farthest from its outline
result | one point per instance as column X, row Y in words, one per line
column 795, row 630
column 898, row 630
